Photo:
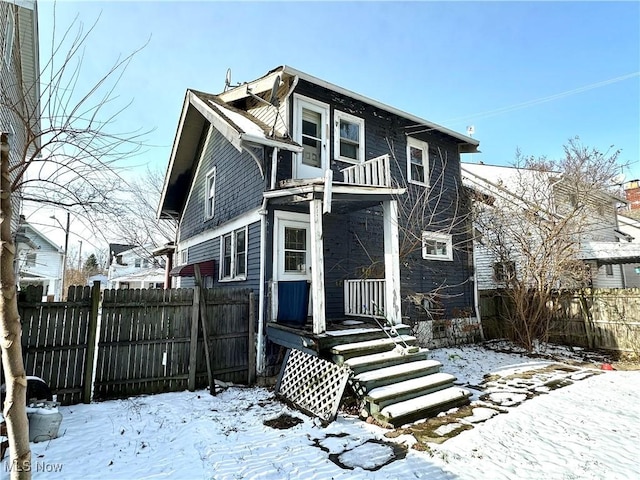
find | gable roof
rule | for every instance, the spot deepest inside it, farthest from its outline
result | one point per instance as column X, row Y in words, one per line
column 31, row 233
column 243, row 130
column 240, row 128
column 265, row 83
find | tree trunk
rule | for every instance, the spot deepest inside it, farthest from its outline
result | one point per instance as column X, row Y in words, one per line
column 14, row 412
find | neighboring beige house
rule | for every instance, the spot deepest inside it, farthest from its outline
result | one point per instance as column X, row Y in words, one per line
column 604, row 247
column 135, row 267
column 19, row 80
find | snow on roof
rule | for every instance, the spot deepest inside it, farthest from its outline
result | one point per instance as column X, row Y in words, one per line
column 610, row 252
column 245, row 124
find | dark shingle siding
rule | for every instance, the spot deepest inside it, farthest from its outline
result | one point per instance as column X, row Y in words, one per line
column 354, row 243
column 239, row 186
column 210, row 250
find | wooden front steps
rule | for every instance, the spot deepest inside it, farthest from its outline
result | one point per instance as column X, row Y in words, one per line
column 396, row 381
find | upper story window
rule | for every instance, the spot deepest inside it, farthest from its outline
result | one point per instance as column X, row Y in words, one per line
column 348, row 137
column 210, row 194
column 8, row 38
column 138, row 262
column 310, row 129
column 30, row 261
column 233, row 255
column 182, row 257
column 436, row 246
column 417, row 161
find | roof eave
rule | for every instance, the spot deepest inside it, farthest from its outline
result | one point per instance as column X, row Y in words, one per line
column 265, row 83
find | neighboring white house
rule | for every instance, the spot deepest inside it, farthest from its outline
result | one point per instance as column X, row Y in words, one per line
column 631, row 228
column 39, row 261
column 135, row 267
column 603, row 246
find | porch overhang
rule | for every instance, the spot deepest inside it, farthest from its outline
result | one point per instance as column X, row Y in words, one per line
column 207, row 269
column 610, row 253
column 344, row 197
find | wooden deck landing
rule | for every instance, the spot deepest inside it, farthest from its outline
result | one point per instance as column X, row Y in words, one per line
column 339, row 331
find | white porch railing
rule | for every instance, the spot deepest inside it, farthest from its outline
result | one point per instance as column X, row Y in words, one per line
column 373, row 173
column 364, row 298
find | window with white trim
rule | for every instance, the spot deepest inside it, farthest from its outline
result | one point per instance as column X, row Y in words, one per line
column 210, row 194
column 348, row 137
column 417, row 161
column 182, row 257
column 437, row 246
column 295, row 249
column 233, row 255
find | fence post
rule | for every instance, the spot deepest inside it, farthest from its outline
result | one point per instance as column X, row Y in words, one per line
column 91, row 342
column 193, row 345
column 251, row 368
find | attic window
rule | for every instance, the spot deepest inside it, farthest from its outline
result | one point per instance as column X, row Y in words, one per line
column 348, row 137
column 210, row 198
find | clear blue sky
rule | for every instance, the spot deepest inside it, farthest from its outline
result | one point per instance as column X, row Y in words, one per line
column 517, row 71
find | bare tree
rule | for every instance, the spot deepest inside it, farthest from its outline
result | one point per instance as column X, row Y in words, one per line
column 533, row 224
column 438, row 207
column 137, row 223
column 69, row 160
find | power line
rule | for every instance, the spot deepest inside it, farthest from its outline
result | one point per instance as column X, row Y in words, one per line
column 531, row 103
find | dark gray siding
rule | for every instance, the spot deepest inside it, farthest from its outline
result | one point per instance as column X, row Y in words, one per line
column 239, row 187
column 210, row 250
column 354, row 243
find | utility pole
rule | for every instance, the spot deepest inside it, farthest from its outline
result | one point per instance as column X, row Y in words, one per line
column 65, row 253
column 80, row 257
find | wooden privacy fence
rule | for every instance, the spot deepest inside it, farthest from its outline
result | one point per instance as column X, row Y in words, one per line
column 150, row 341
column 58, row 340
column 606, row 319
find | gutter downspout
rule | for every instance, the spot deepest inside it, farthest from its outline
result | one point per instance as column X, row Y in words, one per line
column 260, row 347
column 476, row 293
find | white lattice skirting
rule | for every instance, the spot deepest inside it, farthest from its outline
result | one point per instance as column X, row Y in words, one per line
column 314, row 385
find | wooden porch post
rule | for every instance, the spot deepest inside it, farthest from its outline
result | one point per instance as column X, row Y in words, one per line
column 317, row 266
column 391, row 262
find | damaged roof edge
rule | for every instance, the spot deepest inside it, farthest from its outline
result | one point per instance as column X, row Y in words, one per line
column 468, row 144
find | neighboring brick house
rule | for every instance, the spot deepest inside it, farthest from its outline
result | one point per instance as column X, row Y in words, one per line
column 289, row 178
column 19, row 81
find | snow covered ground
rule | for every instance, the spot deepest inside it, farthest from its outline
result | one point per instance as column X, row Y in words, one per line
column 557, row 421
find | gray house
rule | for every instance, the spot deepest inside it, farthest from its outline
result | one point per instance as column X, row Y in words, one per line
column 19, row 80
column 337, row 210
